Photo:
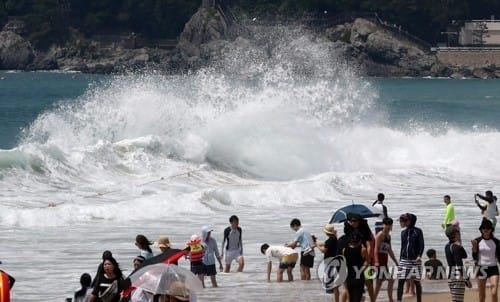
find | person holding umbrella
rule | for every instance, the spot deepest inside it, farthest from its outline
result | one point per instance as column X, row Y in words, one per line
column 357, row 260
column 356, row 223
column 167, row 282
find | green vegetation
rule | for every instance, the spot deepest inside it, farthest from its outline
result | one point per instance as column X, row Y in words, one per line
column 423, row 18
column 49, row 21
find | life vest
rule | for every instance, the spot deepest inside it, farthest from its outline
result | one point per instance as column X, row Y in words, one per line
column 196, row 252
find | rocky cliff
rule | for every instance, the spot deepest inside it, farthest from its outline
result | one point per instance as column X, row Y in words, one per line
column 373, row 48
column 15, row 52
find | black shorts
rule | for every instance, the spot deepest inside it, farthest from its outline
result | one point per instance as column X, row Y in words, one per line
column 198, row 268
column 487, row 271
column 210, row 270
column 285, row 265
column 307, row 261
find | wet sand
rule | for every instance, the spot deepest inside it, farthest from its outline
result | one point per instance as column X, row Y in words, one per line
column 470, row 296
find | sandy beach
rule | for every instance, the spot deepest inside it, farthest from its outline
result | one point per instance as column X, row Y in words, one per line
column 470, row 296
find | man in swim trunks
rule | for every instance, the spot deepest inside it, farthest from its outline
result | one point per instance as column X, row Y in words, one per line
column 233, row 249
column 288, row 259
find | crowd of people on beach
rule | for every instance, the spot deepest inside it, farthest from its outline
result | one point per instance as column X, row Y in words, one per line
column 356, row 262
column 110, row 284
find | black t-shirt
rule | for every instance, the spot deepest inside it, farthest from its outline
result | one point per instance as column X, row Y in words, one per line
column 435, row 268
column 331, row 246
column 455, row 254
column 103, row 283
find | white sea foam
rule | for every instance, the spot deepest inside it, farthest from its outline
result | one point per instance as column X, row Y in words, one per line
column 276, row 134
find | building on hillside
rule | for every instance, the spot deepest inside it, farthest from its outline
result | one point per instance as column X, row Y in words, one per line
column 480, row 33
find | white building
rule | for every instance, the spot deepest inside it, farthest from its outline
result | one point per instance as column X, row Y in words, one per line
column 480, row 32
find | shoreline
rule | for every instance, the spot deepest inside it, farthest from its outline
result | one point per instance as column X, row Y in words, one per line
column 470, row 296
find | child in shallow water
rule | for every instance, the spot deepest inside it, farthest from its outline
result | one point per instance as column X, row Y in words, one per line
column 196, row 256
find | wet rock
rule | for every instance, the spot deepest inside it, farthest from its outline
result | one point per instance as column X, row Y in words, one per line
column 15, row 51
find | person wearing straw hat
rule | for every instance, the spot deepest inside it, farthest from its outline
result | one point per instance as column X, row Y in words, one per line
column 329, row 249
column 177, row 291
column 163, row 244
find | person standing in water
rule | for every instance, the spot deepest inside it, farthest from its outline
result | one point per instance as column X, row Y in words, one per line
column 329, row 249
column 304, row 240
column 234, row 245
column 210, row 254
column 490, row 210
column 449, row 214
column 287, row 256
column 380, row 209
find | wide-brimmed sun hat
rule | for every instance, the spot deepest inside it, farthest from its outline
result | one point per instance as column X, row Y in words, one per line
column 163, row 241
column 329, row 229
column 179, row 291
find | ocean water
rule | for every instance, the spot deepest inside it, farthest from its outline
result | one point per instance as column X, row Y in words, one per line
column 268, row 138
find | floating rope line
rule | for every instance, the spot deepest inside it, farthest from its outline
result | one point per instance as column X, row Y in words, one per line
column 163, row 178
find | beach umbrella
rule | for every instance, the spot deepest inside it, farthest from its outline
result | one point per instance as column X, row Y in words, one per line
column 166, row 279
column 170, row 256
column 341, row 214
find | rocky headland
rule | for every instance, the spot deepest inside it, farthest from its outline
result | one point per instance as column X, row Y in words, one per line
column 375, row 48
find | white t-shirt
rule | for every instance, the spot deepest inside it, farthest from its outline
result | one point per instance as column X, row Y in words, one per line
column 491, row 210
column 378, row 208
column 278, row 251
column 86, row 297
column 487, row 253
column 141, row 296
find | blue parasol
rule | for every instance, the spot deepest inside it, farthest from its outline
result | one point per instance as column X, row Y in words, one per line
column 341, row 214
